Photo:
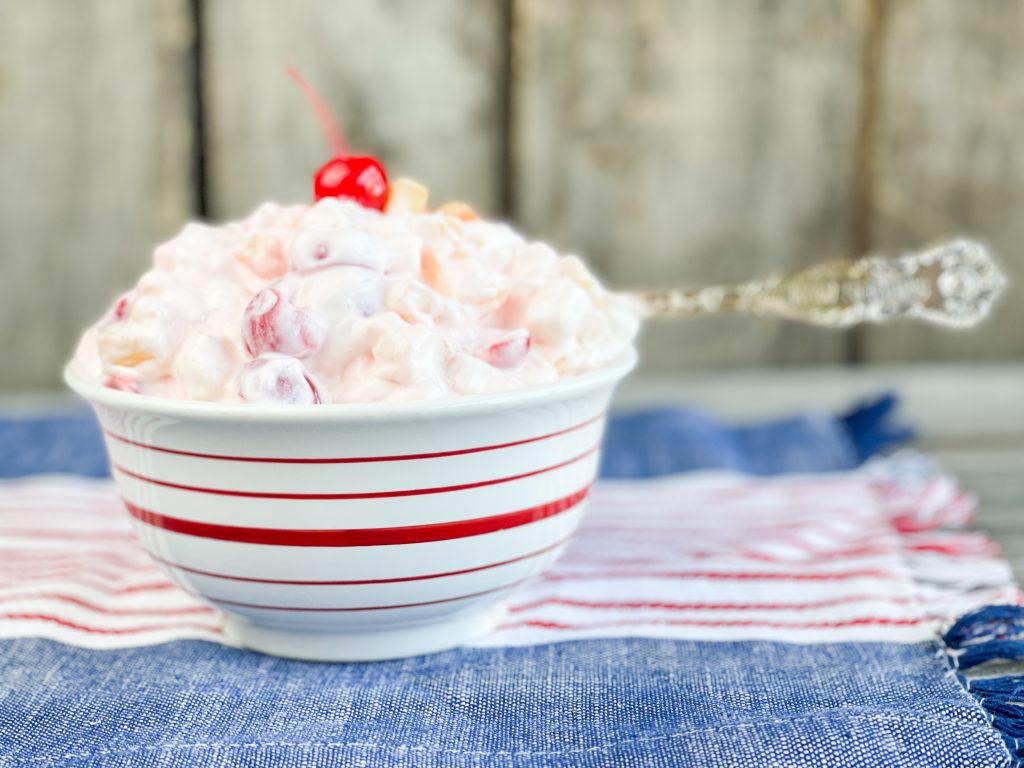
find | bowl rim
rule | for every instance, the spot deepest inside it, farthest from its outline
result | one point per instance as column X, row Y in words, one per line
column 606, row 375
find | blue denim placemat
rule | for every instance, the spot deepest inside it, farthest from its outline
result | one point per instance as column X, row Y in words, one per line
column 664, row 441
column 645, row 443
column 625, row 702
column 628, row 702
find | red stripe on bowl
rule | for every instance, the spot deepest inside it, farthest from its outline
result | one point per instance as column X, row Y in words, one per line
column 359, row 537
column 356, row 459
column 218, row 601
column 345, row 496
column 359, row 582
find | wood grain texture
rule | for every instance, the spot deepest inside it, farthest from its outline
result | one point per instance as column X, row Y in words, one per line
column 682, row 143
column 672, row 142
column 417, row 84
column 95, row 147
column 950, row 157
column 1000, row 495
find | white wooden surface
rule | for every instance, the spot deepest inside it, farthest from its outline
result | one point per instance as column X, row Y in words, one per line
column 951, row 83
column 95, row 163
column 416, row 84
column 690, row 142
column 682, row 142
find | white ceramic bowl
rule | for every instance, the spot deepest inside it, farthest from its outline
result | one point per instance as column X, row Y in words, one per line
column 351, row 531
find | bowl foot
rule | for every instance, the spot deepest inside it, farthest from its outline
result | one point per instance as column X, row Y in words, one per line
column 391, row 643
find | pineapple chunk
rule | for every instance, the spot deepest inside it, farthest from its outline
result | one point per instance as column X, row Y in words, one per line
column 406, row 196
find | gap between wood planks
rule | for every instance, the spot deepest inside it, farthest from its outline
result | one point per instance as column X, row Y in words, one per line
column 865, row 149
column 506, row 105
column 200, row 201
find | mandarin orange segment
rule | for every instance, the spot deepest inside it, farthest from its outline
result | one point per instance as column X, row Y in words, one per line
column 459, row 210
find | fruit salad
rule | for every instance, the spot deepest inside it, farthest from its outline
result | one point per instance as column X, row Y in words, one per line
column 339, row 302
column 367, row 295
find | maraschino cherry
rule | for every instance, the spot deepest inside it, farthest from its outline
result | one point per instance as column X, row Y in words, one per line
column 359, row 178
column 510, row 352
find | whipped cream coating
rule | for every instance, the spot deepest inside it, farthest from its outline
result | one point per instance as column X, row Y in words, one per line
column 335, row 303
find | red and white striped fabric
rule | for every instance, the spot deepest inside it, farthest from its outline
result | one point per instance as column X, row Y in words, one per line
column 859, row 556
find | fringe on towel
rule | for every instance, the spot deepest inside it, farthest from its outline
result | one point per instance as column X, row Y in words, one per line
column 993, row 634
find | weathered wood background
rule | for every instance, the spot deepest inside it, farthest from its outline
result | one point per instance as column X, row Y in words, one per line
column 669, row 141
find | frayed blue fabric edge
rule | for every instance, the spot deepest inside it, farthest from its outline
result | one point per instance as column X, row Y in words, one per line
column 994, row 633
column 653, row 442
column 874, row 426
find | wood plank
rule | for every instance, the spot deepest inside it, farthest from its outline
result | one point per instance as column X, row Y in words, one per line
column 95, row 148
column 983, row 431
column 417, row 84
column 691, row 142
column 1000, row 510
column 949, row 158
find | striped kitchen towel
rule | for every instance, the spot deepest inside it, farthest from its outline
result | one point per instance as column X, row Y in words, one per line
column 831, row 558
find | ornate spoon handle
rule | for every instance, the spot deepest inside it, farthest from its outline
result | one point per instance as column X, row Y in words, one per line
column 954, row 284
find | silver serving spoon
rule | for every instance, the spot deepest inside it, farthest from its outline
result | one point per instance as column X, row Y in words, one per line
column 954, row 284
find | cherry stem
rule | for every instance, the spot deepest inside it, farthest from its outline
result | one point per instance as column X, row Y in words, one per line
column 333, row 134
